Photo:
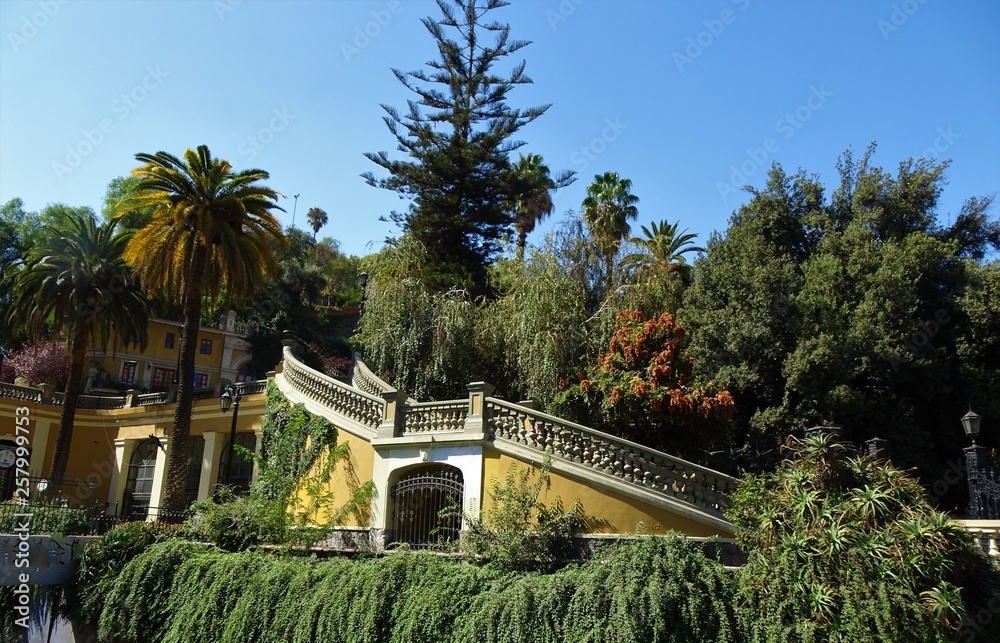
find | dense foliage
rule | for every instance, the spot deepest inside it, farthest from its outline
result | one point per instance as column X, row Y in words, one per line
column 844, row 548
column 858, row 308
column 661, row 589
column 45, row 362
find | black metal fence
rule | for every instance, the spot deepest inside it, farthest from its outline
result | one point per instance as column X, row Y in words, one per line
column 58, row 518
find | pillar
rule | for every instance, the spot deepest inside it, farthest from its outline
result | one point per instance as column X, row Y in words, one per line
column 209, row 464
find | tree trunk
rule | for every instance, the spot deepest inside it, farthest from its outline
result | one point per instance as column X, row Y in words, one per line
column 177, row 462
column 78, row 355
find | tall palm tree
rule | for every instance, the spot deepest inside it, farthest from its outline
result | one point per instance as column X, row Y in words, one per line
column 211, row 228
column 77, row 280
column 531, row 194
column 662, row 246
column 607, row 209
column 317, row 219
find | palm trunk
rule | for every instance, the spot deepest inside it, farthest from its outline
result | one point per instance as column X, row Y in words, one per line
column 78, row 355
column 177, row 465
column 522, row 241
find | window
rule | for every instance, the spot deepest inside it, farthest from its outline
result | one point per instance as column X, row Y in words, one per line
column 139, row 485
column 206, row 347
column 128, row 373
column 170, row 341
column 162, row 379
column 200, row 380
column 246, row 374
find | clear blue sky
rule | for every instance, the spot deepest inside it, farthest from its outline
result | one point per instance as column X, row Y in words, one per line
column 673, row 95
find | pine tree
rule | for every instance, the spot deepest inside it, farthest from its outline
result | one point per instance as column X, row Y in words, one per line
column 458, row 137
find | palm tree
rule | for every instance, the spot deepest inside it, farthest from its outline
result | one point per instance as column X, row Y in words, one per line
column 317, row 219
column 662, row 246
column 607, row 209
column 77, row 280
column 531, row 198
column 211, row 228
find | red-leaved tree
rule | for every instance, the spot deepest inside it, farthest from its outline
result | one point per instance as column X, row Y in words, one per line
column 643, row 388
column 41, row 363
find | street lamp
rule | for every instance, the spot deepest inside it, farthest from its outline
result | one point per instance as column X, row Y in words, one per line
column 231, row 397
column 970, row 422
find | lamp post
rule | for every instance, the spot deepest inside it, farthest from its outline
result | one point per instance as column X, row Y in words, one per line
column 231, row 397
column 973, row 455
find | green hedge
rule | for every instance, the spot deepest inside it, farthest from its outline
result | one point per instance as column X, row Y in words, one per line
column 661, row 589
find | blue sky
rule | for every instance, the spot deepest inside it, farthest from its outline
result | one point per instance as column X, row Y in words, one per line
column 687, row 99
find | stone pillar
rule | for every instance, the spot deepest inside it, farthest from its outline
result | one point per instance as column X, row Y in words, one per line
column 877, row 449
column 476, row 421
column 209, row 464
column 48, row 392
column 159, row 478
column 119, row 474
column 131, row 398
column 393, row 418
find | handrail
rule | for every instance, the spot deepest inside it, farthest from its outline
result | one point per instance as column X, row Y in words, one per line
column 425, row 417
column 251, row 388
column 628, row 461
column 358, row 405
column 367, row 381
column 148, row 399
column 23, row 393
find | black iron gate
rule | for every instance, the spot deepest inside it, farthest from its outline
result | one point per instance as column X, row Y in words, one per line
column 418, row 500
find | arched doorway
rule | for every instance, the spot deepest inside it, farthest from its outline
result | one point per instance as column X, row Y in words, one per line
column 417, row 500
column 242, row 468
column 139, row 485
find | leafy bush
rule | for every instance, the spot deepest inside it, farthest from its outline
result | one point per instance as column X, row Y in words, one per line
column 53, row 521
column 104, row 559
column 844, row 548
column 235, row 524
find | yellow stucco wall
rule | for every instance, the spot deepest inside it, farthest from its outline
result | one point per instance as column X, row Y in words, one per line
column 348, row 475
column 608, row 512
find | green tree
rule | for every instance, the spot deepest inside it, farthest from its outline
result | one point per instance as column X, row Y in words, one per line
column 121, row 189
column 458, row 134
column 317, row 219
column 607, row 209
column 532, row 187
column 844, row 548
column 77, row 280
column 211, row 227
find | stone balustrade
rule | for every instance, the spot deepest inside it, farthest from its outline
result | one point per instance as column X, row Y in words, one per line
column 987, row 534
column 149, row 399
column 435, row 416
column 341, row 398
column 20, row 393
column 365, row 380
column 627, row 461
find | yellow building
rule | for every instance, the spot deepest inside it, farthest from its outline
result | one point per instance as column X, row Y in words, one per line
column 222, row 354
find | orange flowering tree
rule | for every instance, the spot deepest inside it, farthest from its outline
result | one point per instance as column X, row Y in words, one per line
column 643, row 388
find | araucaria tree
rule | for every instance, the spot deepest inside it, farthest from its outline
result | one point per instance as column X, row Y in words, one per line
column 457, row 135
column 76, row 279
column 211, row 228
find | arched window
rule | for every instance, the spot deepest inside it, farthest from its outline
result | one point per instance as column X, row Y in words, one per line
column 242, row 468
column 139, row 487
column 246, row 374
column 417, row 501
